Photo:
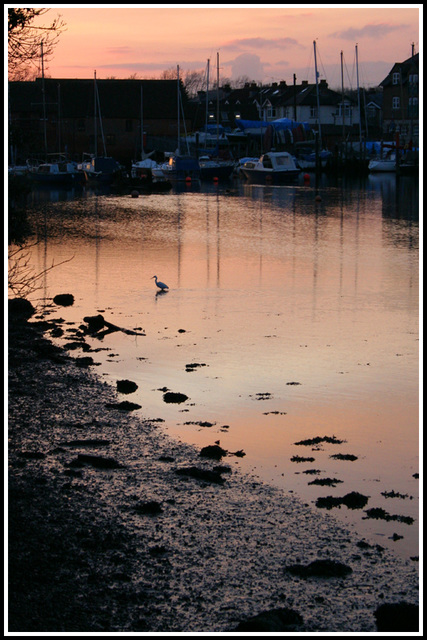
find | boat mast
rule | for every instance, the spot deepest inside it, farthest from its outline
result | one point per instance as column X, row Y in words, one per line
column 94, row 116
column 342, row 94
column 217, row 101
column 317, row 94
column 179, row 124
column 44, row 102
column 207, row 103
column 142, row 130
column 358, row 101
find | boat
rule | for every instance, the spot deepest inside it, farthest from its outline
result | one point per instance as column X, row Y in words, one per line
column 60, row 172
column 148, row 175
column 181, row 168
column 215, row 169
column 306, row 159
column 274, row 167
column 100, row 169
column 216, row 162
column 385, row 163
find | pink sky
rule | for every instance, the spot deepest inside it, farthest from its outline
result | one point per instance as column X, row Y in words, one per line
column 266, row 43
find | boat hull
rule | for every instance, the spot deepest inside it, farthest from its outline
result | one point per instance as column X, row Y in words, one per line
column 221, row 172
column 258, row 176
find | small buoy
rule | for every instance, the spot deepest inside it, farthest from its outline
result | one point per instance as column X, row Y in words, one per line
column 306, row 177
column 215, row 179
column 134, row 193
column 188, row 179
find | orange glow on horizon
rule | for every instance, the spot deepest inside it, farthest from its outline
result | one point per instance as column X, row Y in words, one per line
column 262, row 44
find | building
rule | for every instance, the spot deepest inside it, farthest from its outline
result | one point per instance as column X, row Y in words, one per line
column 401, row 102
column 67, row 108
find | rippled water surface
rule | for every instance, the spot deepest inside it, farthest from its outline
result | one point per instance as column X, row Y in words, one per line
column 301, row 312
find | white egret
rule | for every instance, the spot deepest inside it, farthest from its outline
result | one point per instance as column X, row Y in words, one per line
column 162, row 286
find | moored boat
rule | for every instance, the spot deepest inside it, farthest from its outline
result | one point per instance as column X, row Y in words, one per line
column 181, row 168
column 211, row 169
column 56, row 173
column 387, row 163
column 274, row 167
column 101, row 170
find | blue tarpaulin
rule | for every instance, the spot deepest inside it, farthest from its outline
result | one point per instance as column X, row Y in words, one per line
column 277, row 125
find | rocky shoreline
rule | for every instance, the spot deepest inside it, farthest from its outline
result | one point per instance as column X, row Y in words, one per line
column 115, row 527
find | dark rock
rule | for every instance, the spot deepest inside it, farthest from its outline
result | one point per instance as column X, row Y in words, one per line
column 84, row 362
column 301, row 459
column 21, row 308
column 201, row 474
column 176, row 398
column 352, row 500
column 213, row 451
column 344, row 456
column 98, row 461
column 123, row 406
column 90, row 442
column 399, row 616
column 64, row 299
column 318, row 440
column 326, row 482
column 95, row 323
column 32, row 455
column 320, row 569
column 274, row 620
column 126, row 386
column 380, row 514
column 150, row 508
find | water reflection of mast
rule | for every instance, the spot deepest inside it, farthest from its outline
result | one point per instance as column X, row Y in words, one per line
column 207, row 244
column 179, row 237
column 315, row 257
column 97, row 247
column 218, row 247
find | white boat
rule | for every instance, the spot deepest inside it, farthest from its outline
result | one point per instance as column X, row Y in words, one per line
column 61, row 172
column 274, row 167
column 148, row 174
column 388, row 163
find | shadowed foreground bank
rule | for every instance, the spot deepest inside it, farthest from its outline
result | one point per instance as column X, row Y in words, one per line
column 114, row 526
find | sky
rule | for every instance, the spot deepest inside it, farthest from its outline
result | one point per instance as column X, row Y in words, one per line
column 265, row 43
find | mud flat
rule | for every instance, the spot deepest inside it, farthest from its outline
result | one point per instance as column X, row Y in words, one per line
column 109, row 531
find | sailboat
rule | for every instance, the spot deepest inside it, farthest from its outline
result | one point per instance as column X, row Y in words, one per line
column 146, row 173
column 212, row 167
column 306, row 157
column 99, row 169
column 181, row 168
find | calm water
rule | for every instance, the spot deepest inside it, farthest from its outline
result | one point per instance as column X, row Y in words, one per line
column 268, row 286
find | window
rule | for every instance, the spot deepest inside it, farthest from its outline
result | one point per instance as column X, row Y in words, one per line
column 313, row 112
column 396, row 77
column 396, row 103
column 111, row 139
column 128, row 126
column 413, row 79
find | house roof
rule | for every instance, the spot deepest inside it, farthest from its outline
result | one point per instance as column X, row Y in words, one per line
column 405, row 68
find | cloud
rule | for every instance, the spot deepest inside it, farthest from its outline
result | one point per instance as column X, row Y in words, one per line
column 259, row 43
column 368, row 31
column 120, row 50
column 247, row 64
